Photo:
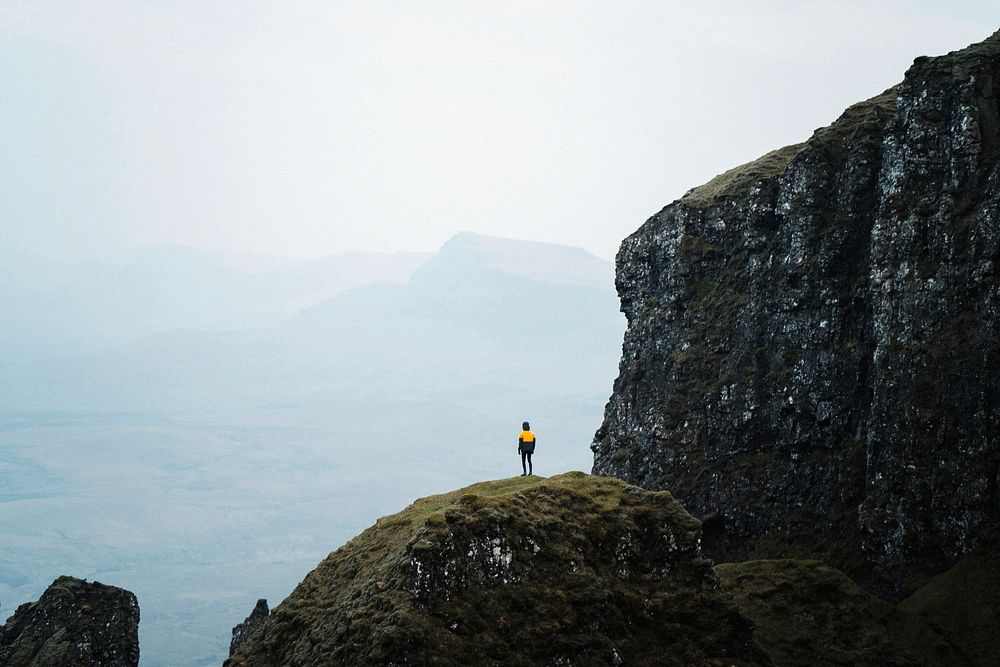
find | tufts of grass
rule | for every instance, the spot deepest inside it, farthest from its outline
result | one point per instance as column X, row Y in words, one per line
column 572, row 569
column 736, row 181
column 833, row 140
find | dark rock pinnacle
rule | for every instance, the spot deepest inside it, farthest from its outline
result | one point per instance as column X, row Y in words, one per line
column 242, row 632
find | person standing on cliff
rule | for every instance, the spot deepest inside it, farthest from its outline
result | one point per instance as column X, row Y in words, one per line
column 526, row 447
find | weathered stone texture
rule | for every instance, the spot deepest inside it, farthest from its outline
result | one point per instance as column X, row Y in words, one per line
column 811, row 358
column 73, row 624
column 243, row 631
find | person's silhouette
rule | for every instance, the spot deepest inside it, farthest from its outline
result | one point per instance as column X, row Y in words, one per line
column 526, row 447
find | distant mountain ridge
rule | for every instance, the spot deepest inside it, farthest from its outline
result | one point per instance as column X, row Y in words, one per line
column 58, row 308
column 164, row 458
column 483, row 310
column 546, row 262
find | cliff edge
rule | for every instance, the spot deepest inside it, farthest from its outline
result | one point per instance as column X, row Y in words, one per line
column 74, row 623
column 811, row 362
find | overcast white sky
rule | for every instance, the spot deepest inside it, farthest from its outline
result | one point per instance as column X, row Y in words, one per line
column 306, row 129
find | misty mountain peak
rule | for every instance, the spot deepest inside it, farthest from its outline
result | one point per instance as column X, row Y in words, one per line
column 468, row 252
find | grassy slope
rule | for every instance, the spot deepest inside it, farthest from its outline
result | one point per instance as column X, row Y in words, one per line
column 569, row 601
column 832, row 139
column 602, row 583
column 807, row 613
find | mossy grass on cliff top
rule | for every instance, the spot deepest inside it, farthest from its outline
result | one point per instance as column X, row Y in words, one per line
column 833, row 139
column 603, row 493
column 738, row 180
column 961, row 63
column 573, row 569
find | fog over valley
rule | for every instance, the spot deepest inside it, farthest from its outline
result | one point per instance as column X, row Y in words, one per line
column 205, row 434
column 280, row 284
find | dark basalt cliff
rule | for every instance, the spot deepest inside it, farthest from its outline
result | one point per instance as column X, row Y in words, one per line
column 811, row 358
column 73, row 624
column 570, row 570
column 243, row 631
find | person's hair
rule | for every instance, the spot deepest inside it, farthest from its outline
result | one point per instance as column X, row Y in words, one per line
column 525, row 426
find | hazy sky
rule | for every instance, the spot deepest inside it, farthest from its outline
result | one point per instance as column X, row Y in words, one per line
column 306, row 129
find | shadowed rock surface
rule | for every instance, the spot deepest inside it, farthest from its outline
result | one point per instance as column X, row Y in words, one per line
column 73, row 624
column 811, row 358
column 963, row 604
column 809, row 614
column 571, row 570
column 242, row 631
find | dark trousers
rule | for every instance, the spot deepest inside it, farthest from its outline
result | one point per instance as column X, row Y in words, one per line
column 525, row 456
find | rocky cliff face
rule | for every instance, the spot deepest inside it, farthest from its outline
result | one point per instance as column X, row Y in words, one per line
column 572, row 570
column 811, row 357
column 74, row 623
column 243, row 631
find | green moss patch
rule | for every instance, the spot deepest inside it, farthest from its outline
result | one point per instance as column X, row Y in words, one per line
column 833, row 139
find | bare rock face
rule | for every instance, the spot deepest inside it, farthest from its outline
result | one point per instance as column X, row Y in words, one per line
column 811, row 363
column 73, row 624
column 570, row 570
column 242, row 632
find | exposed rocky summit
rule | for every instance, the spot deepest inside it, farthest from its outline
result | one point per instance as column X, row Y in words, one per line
column 73, row 624
column 811, row 363
column 242, row 632
column 571, row 570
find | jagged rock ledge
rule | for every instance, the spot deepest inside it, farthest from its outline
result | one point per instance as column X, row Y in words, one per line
column 243, row 631
column 73, row 623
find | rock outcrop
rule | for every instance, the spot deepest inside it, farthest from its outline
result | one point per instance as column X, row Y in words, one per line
column 571, row 570
column 811, row 363
column 242, row 631
column 73, row 624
